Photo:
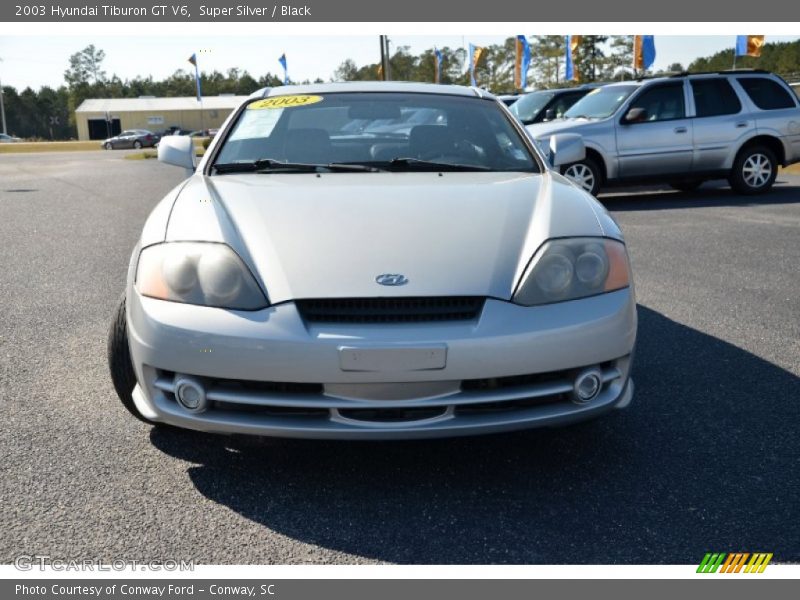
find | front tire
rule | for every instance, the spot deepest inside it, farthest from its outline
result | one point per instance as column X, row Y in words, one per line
column 108, row 146
column 119, row 362
column 754, row 170
column 585, row 173
column 137, row 144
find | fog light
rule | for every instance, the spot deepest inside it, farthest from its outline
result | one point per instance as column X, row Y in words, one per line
column 587, row 385
column 190, row 394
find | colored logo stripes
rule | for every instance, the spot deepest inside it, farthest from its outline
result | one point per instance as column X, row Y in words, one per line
column 734, row 562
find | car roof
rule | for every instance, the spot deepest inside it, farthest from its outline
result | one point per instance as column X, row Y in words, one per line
column 374, row 86
column 696, row 75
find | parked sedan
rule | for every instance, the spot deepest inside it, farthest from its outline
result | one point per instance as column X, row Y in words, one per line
column 8, row 139
column 132, row 138
column 306, row 283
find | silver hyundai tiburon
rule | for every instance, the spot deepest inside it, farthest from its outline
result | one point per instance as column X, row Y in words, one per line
column 372, row 261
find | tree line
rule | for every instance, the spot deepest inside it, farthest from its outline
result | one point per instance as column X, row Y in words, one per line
column 50, row 113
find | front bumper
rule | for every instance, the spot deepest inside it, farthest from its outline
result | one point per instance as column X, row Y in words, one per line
column 270, row 373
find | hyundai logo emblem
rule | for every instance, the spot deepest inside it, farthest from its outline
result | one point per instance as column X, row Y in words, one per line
column 391, row 279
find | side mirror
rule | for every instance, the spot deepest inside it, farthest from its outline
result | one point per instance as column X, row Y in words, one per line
column 635, row 115
column 177, row 150
column 550, row 114
column 566, row 148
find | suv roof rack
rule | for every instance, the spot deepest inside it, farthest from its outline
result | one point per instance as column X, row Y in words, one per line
column 725, row 72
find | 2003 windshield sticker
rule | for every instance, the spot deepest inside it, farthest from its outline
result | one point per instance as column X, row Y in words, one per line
column 284, row 102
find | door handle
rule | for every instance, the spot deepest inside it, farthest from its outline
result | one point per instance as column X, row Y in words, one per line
column 741, row 124
column 681, row 130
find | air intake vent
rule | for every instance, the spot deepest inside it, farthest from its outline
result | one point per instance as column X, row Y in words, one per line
column 390, row 310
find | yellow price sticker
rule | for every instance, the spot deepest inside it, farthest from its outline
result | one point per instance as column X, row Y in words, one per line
column 284, row 102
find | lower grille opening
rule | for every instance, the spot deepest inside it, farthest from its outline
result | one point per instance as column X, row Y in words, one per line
column 270, row 411
column 511, row 405
column 390, row 415
column 390, row 310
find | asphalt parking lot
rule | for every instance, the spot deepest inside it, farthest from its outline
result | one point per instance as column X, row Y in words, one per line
column 706, row 458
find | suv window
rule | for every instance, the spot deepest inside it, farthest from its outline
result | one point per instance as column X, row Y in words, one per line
column 714, row 97
column 765, row 93
column 662, row 102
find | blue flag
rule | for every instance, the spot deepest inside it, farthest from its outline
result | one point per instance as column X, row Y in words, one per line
column 193, row 60
column 475, row 53
column 644, row 51
column 437, row 65
column 749, row 45
column 571, row 42
column 522, row 62
column 282, row 60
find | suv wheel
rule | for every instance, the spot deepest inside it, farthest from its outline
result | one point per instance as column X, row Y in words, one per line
column 754, row 170
column 585, row 173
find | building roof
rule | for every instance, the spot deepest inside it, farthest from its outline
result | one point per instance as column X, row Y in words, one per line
column 158, row 104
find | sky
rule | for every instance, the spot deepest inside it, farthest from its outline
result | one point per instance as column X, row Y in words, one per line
column 27, row 61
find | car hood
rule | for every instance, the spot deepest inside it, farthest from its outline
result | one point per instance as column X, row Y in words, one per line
column 309, row 236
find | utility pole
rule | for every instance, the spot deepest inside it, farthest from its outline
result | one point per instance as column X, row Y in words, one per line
column 388, row 59
column 383, row 57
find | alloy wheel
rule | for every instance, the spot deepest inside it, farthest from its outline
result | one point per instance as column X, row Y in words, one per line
column 756, row 170
column 582, row 175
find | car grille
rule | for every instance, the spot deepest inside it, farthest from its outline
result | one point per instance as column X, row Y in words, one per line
column 390, row 310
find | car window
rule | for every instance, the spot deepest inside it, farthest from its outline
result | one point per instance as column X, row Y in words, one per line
column 375, row 128
column 563, row 103
column 527, row 107
column 661, row 102
column 765, row 93
column 600, row 103
column 714, row 97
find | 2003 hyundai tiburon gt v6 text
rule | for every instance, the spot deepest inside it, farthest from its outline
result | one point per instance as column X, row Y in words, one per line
column 374, row 260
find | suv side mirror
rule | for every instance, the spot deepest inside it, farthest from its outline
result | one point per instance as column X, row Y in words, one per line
column 550, row 114
column 635, row 115
column 177, row 150
column 566, row 148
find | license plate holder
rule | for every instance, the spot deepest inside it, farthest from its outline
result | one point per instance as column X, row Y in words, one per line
column 393, row 359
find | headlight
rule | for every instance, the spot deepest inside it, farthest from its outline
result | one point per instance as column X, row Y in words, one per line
column 208, row 274
column 573, row 268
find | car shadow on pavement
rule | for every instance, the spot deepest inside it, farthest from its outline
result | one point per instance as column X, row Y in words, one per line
column 706, row 458
column 710, row 195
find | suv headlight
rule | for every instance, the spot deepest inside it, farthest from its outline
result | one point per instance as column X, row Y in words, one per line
column 567, row 269
column 204, row 273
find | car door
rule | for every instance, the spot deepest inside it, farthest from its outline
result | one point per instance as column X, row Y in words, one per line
column 125, row 139
column 720, row 124
column 659, row 141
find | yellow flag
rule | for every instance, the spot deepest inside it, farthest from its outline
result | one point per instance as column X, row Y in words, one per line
column 754, row 45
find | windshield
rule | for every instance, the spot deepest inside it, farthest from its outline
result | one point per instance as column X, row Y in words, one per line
column 408, row 131
column 530, row 105
column 600, row 103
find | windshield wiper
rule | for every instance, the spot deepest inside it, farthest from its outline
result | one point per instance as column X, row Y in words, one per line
column 407, row 162
column 270, row 165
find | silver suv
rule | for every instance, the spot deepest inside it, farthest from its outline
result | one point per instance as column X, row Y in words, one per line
column 683, row 130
